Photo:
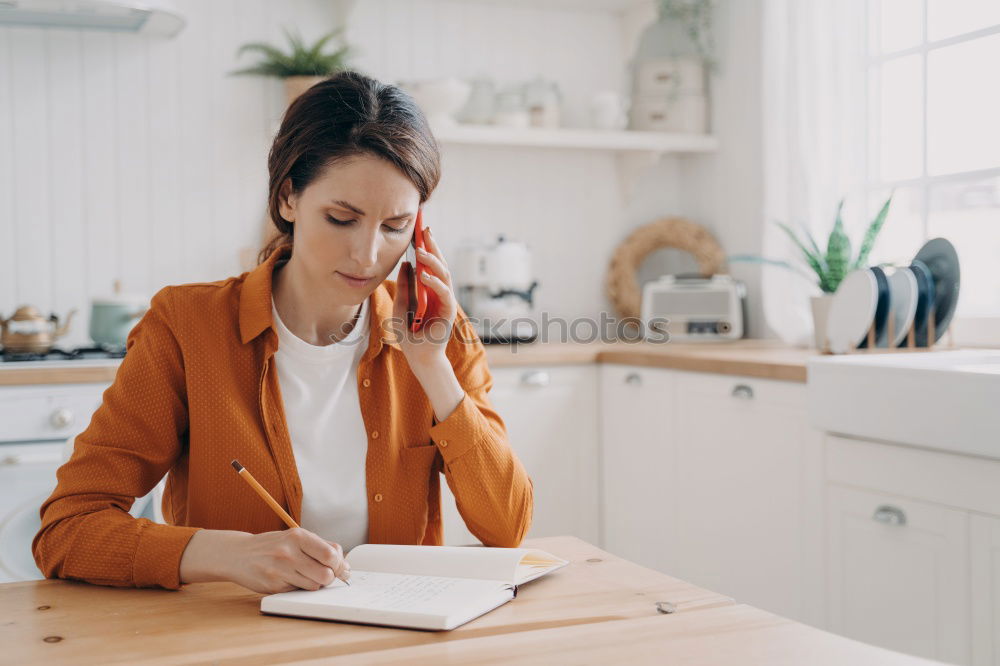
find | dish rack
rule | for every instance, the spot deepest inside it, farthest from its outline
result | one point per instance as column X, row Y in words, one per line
column 911, row 338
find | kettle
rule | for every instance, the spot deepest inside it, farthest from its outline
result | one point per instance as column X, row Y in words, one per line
column 496, row 288
column 29, row 331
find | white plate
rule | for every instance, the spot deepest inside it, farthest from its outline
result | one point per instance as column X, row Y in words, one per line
column 903, row 301
column 852, row 311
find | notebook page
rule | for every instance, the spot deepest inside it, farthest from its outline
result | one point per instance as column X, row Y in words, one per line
column 400, row 593
column 454, row 561
column 536, row 564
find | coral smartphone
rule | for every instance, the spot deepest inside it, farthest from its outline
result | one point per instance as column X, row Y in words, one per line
column 422, row 300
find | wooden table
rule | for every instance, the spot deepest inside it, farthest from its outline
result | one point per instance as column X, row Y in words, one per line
column 600, row 608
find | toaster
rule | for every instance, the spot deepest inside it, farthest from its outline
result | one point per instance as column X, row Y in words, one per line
column 695, row 308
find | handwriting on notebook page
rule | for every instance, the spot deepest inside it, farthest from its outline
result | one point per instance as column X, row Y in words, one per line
column 402, row 592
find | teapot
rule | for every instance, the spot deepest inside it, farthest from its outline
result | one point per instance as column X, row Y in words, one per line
column 29, row 331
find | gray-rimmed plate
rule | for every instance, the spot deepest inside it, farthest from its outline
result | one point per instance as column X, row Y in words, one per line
column 942, row 260
column 903, row 299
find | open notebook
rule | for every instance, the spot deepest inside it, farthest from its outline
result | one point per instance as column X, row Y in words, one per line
column 418, row 587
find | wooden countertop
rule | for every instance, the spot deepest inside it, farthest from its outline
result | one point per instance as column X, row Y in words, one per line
column 22, row 373
column 600, row 608
column 755, row 358
column 768, row 359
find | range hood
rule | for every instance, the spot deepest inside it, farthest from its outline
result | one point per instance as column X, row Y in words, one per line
column 156, row 18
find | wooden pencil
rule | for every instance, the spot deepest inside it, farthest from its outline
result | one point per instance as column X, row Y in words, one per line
column 266, row 496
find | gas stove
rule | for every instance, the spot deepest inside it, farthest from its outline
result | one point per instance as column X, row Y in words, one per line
column 56, row 354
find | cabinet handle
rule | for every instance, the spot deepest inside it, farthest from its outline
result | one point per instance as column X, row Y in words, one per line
column 61, row 418
column 889, row 515
column 633, row 379
column 743, row 392
column 535, row 378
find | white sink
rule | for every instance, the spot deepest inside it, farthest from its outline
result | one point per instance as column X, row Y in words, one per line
column 947, row 400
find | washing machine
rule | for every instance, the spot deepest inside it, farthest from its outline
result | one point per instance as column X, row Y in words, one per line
column 38, row 427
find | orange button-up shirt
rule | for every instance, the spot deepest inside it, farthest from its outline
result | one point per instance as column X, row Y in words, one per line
column 199, row 388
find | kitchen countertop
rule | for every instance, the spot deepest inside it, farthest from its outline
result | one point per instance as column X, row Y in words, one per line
column 599, row 609
column 767, row 359
column 755, row 358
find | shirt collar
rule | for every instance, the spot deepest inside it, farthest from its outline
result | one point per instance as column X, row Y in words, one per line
column 255, row 304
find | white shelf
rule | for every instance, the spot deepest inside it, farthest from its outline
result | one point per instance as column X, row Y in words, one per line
column 586, row 139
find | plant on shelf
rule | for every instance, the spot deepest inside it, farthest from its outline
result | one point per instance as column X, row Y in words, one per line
column 302, row 66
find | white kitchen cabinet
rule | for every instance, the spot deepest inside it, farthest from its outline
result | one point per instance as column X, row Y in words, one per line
column 638, row 464
column 899, row 573
column 47, row 412
column 748, row 492
column 551, row 414
column 984, row 544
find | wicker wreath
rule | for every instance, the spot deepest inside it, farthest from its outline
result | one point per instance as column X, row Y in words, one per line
column 622, row 283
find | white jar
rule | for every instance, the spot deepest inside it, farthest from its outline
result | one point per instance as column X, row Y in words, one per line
column 686, row 113
column 511, row 111
column 670, row 76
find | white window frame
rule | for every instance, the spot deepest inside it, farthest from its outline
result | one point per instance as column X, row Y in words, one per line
column 968, row 331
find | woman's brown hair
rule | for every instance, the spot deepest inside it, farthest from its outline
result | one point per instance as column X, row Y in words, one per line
column 347, row 115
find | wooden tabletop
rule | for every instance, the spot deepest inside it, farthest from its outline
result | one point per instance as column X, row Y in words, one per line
column 600, row 608
column 68, row 621
column 736, row 634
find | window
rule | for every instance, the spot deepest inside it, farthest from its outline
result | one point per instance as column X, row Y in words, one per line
column 934, row 138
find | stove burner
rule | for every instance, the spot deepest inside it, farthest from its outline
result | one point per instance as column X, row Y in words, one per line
column 56, row 354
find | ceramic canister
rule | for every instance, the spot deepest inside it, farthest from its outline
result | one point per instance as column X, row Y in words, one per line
column 112, row 317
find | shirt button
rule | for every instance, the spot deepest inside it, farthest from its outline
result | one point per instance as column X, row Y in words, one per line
column 374, row 434
column 378, row 497
column 443, row 442
column 366, row 383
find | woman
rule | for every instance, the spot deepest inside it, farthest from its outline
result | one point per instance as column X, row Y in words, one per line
column 299, row 370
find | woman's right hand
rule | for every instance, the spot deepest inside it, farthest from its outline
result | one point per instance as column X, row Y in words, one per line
column 267, row 563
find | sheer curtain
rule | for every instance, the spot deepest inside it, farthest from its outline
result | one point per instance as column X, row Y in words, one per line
column 814, row 146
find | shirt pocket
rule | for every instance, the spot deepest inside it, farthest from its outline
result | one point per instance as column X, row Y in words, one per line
column 418, row 460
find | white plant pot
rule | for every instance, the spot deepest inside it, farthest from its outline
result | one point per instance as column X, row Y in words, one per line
column 820, row 311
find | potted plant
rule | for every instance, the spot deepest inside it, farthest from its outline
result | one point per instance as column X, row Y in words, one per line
column 302, row 67
column 828, row 267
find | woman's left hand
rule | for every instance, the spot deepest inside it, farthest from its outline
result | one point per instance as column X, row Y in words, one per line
column 427, row 346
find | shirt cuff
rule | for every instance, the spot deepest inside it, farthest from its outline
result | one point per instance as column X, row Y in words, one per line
column 158, row 555
column 462, row 430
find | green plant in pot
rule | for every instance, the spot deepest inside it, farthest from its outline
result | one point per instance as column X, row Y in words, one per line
column 302, row 67
column 827, row 267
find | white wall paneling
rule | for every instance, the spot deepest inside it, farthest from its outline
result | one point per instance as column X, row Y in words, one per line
column 140, row 159
column 724, row 190
column 8, row 246
column 137, row 159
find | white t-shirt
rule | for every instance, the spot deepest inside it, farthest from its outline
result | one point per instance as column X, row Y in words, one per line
column 320, row 393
